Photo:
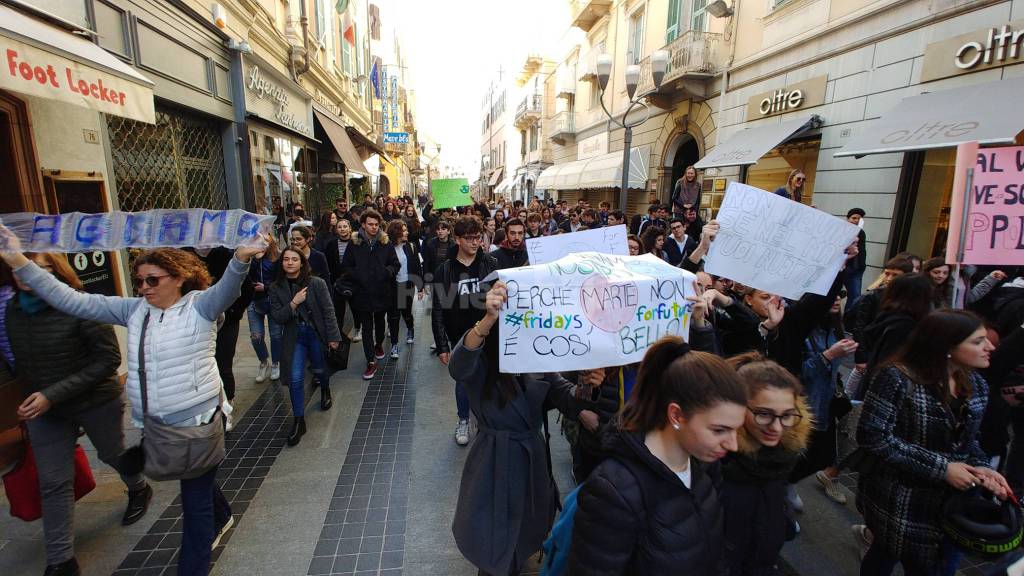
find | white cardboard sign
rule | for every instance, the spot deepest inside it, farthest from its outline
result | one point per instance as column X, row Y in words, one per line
column 608, row 240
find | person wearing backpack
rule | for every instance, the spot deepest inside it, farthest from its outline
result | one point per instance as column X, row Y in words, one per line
column 652, row 507
column 507, row 497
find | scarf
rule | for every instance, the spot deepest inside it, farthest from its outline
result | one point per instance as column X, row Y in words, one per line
column 504, row 244
column 31, row 303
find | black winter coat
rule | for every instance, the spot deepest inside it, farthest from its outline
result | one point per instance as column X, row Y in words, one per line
column 431, row 260
column 635, row 516
column 509, row 258
column 371, row 268
column 72, row 361
column 884, row 337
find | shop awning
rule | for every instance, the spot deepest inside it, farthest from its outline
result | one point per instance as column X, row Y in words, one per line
column 747, row 146
column 990, row 113
column 603, row 171
column 47, row 61
column 370, row 147
column 505, row 187
column 495, row 176
column 338, row 136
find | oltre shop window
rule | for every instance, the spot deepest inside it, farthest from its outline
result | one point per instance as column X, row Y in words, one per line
column 773, row 168
column 928, row 227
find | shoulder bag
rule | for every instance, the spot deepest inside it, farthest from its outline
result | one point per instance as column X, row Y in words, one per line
column 336, row 359
column 176, row 452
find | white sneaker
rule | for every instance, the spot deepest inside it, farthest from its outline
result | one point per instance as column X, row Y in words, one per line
column 831, row 487
column 229, row 423
column 357, row 335
column 394, row 352
column 275, row 371
column 223, row 531
column 863, row 537
column 263, row 371
column 433, row 346
column 796, row 504
column 409, row 340
column 462, row 433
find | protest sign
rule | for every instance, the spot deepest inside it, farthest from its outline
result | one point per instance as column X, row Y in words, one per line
column 590, row 310
column 450, row 192
column 774, row 244
column 995, row 206
column 610, row 240
column 80, row 232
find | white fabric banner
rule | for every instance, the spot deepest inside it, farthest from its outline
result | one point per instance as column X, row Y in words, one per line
column 590, row 310
column 777, row 245
column 79, row 232
column 609, row 240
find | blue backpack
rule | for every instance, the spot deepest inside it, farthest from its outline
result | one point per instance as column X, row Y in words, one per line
column 556, row 547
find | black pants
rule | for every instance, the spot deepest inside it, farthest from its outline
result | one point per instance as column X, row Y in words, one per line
column 340, row 306
column 401, row 306
column 373, row 331
column 227, row 340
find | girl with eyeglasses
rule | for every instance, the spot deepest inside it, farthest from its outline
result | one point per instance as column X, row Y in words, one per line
column 920, row 428
column 775, row 432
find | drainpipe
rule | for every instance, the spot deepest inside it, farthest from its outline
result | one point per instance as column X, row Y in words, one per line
column 304, row 23
column 733, row 26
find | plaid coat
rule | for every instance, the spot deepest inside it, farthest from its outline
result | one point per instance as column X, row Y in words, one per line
column 914, row 435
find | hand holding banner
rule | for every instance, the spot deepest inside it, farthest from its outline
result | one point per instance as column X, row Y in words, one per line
column 777, row 245
column 590, row 310
column 450, row 192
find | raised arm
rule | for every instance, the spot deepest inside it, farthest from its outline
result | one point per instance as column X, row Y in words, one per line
column 106, row 309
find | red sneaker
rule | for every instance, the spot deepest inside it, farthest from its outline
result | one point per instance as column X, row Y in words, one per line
column 370, row 372
column 378, row 352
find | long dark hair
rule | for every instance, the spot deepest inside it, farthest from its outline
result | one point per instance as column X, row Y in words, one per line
column 304, row 271
column 672, row 373
column 909, row 294
column 926, row 355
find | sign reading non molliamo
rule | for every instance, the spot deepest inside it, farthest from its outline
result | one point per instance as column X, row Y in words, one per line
column 995, row 206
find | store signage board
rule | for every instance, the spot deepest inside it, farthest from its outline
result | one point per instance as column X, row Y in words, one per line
column 273, row 100
column 992, row 47
column 29, row 70
column 595, row 145
column 450, row 193
column 773, row 244
column 995, row 206
column 806, row 94
column 80, row 232
column 590, row 310
column 396, row 137
column 607, row 240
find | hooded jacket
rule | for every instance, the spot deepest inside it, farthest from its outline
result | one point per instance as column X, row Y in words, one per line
column 509, row 257
column 753, row 496
column 371, row 268
column 635, row 516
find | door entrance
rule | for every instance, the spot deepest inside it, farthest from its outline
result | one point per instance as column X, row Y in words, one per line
column 686, row 154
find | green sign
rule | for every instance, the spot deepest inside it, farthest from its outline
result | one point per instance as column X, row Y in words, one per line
column 450, row 192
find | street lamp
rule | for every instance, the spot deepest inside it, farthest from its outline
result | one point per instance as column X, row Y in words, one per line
column 423, row 151
column 659, row 65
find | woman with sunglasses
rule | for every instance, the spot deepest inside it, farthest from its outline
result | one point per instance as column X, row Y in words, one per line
column 775, row 432
column 794, row 188
column 919, row 425
column 174, row 321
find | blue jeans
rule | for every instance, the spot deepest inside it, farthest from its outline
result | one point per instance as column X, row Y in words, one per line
column 307, row 346
column 461, row 401
column 205, row 511
column 257, row 310
column 852, row 281
column 878, row 562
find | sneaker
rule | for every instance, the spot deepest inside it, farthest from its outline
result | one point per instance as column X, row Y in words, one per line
column 371, row 371
column 796, row 504
column 357, row 335
column 462, row 433
column 409, row 339
column 433, row 346
column 378, row 352
column 223, row 530
column 263, row 371
column 863, row 537
column 275, row 371
column 831, row 487
column 394, row 352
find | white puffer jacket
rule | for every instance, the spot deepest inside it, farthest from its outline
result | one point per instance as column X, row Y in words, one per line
column 183, row 385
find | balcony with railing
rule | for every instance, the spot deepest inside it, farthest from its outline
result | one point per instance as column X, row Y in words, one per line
column 586, row 13
column 563, row 127
column 529, row 110
column 694, row 55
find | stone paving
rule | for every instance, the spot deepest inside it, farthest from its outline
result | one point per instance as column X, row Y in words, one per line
column 371, row 489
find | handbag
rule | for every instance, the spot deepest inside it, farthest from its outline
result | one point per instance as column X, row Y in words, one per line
column 841, row 404
column 22, row 483
column 336, row 358
column 176, row 452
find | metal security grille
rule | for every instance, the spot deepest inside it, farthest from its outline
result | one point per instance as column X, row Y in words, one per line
column 176, row 163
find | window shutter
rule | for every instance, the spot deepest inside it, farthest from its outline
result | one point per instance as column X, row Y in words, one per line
column 672, row 28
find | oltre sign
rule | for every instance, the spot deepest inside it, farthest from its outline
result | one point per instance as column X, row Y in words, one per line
column 788, row 98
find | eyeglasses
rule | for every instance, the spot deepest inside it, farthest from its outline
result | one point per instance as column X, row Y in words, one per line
column 765, row 418
column 151, row 281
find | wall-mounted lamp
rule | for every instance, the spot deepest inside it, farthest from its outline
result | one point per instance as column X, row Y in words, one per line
column 220, row 16
column 719, row 9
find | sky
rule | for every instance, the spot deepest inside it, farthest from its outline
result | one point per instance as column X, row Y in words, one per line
column 454, row 48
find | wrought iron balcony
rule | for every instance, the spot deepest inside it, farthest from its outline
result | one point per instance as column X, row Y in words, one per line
column 563, row 127
column 694, row 55
column 529, row 110
column 586, row 13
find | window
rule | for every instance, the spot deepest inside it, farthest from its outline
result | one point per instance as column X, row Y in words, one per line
column 346, row 56
column 635, row 43
column 699, row 16
column 672, row 27
column 773, row 168
column 923, row 215
column 522, row 142
column 534, row 134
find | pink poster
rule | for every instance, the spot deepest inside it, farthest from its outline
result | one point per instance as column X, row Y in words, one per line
column 995, row 207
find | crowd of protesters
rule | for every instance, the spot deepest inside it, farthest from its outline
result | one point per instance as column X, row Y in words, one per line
column 686, row 462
